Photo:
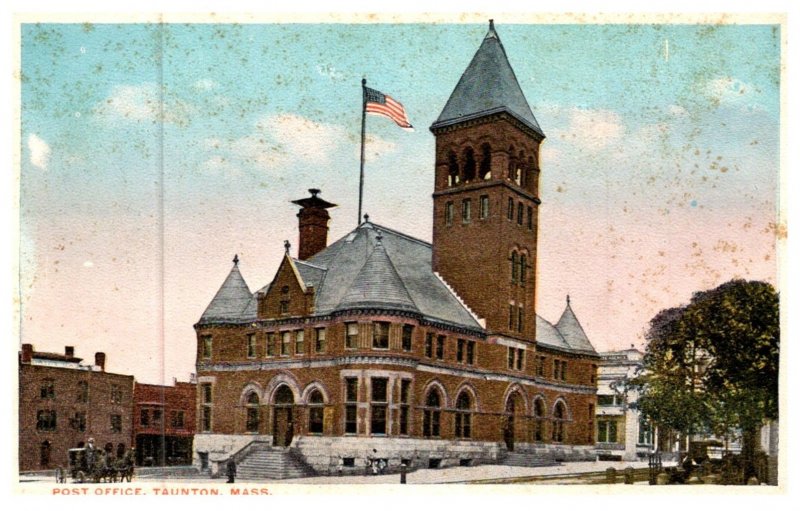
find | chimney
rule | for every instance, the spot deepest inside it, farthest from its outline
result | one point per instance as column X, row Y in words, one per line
column 100, row 360
column 27, row 353
column 313, row 222
column 69, row 351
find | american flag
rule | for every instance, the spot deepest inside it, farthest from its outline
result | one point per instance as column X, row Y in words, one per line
column 378, row 103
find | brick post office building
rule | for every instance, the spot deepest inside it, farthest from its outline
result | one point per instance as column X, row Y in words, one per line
column 63, row 402
column 382, row 345
column 164, row 423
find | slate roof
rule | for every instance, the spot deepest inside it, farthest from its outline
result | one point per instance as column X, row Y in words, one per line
column 393, row 273
column 358, row 271
column 488, row 85
column 231, row 301
column 572, row 331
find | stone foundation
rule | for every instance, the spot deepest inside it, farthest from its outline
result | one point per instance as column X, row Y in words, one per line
column 329, row 455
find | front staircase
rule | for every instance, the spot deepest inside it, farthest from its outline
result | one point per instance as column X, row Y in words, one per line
column 267, row 462
column 529, row 459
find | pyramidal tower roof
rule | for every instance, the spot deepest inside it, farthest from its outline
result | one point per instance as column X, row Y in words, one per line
column 232, row 298
column 378, row 284
column 572, row 331
column 488, row 86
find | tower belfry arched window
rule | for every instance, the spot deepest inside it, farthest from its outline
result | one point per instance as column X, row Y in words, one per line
column 523, row 269
column 486, row 162
column 469, row 164
column 453, row 171
column 514, row 268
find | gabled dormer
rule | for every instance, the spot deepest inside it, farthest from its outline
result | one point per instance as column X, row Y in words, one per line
column 287, row 295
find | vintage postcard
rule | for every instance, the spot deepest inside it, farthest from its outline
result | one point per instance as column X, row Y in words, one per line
column 283, row 254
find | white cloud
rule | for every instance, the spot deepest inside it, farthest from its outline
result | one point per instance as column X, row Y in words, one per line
column 285, row 139
column 143, row 102
column 590, row 129
column 205, row 84
column 39, row 151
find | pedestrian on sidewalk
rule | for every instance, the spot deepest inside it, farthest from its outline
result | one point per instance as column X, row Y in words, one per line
column 231, row 470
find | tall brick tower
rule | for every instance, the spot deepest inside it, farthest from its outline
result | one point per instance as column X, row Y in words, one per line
column 486, row 193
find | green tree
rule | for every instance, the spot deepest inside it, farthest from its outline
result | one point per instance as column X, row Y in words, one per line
column 712, row 365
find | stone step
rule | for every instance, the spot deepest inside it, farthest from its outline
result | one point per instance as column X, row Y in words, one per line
column 272, row 463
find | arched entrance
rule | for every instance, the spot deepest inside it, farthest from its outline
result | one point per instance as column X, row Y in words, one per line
column 282, row 417
column 513, row 427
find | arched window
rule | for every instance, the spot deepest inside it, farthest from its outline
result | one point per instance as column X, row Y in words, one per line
column 453, row 176
column 432, row 414
column 463, row 416
column 559, row 416
column 469, row 164
column 519, row 169
column 251, row 405
column 514, row 268
column 523, row 269
column 538, row 413
column 316, row 412
column 486, row 162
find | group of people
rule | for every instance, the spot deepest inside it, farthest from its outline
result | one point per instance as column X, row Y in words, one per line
column 375, row 465
column 104, row 464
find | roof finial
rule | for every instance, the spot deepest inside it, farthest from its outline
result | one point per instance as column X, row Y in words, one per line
column 287, row 246
column 567, row 299
column 491, row 24
column 366, row 217
column 236, row 259
column 314, row 191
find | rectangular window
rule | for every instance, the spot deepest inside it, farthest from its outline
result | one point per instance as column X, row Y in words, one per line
column 516, row 356
column 440, row 347
column 205, row 411
column 520, row 319
column 286, row 343
column 157, row 418
column 272, row 347
column 510, row 208
column 116, row 394
column 645, row 432
column 116, row 423
column 380, row 335
column 78, row 422
column 284, row 307
column 351, row 406
column 83, row 392
column 251, row 345
column 378, row 404
column 564, row 370
column 300, row 342
column 520, row 211
column 530, row 218
column 144, row 417
column 556, row 369
column 605, row 400
column 466, row 210
column 408, row 335
column 351, row 341
column 177, row 419
column 460, row 348
column 405, row 400
column 206, row 340
column 511, row 316
column 540, row 363
column 429, row 345
column 448, row 214
column 46, row 420
column 593, row 375
column 607, row 431
column 484, row 206
column 470, row 352
column 319, row 341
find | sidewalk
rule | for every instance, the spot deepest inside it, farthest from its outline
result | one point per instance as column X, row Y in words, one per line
column 477, row 474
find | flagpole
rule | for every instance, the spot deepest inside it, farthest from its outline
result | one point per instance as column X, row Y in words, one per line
column 363, row 126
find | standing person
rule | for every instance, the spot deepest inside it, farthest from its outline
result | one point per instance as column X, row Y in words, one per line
column 231, row 470
column 91, row 453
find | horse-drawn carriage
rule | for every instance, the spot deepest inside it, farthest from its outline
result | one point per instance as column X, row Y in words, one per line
column 95, row 465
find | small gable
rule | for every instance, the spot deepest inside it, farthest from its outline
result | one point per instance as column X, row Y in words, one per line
column 287, row 295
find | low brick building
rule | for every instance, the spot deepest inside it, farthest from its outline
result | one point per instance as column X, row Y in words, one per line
column 385, row 346
column 164, row 423
column 63, row 402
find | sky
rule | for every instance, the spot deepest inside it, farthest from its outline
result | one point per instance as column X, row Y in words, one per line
column 151, row 154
